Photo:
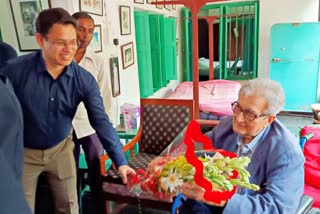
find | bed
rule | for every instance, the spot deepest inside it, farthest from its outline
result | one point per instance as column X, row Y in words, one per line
column 215, row 97
column 204, row 66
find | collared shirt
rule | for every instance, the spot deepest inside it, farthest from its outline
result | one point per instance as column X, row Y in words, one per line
column 248, row 149
column 49, row 105
column 96, row 66
column 11, row 127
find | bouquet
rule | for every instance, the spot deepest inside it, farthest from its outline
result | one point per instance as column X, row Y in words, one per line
column 217, row 171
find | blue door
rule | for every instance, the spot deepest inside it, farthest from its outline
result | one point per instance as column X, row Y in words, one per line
column 295, row 51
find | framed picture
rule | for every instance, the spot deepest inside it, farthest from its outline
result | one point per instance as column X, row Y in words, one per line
column 139, row 1
column 25, row 13
column 92, row 6
column 167, row 6
column 125, row 20
column 159, row 6
column 115, row 78
column 127, row 55
column 96, row 43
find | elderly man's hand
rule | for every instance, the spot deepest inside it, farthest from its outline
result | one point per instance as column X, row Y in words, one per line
column 126, row 173
column 195, row 192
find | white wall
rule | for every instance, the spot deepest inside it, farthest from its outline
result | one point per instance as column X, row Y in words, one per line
column 271, row 12
column 283, row 11
column 110, row 23
column 7, row 26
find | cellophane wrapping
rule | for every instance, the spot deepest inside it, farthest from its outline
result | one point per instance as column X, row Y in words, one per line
column 192, row 158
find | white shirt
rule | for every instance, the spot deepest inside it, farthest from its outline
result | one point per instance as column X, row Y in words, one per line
column 97, row 67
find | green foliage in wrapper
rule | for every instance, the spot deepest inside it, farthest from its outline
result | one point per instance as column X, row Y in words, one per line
column 217, row 169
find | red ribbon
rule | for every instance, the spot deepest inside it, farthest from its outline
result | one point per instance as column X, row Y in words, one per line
column 194, row 134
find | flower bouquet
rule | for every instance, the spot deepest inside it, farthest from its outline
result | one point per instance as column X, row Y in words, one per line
column 194, row 160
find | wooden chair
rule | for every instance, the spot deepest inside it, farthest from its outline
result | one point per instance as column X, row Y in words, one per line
column 161, row 121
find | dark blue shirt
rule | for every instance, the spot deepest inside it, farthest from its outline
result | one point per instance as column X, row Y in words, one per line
column 11, row 127
column 6, row 52
column 49, row 105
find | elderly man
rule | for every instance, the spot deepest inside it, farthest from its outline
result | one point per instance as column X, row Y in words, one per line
column 276, row 158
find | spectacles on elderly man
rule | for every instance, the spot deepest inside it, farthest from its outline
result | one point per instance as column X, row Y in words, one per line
column 247, row 114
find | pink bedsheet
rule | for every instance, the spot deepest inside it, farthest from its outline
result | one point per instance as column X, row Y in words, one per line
column 215, row 96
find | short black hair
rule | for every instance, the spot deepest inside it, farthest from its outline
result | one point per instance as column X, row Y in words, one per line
column 7, row 52
column 47, row 18
column 82, row 15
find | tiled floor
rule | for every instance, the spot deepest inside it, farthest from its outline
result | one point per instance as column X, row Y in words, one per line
column 295, row 122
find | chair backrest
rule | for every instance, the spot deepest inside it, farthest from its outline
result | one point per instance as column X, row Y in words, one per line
column 162, row 120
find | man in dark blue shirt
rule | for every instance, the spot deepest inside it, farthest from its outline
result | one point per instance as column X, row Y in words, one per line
column 6, row 53
column 49, row 86
column 12, row 198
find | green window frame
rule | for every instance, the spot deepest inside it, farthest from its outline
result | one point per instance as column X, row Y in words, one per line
column 238, row 39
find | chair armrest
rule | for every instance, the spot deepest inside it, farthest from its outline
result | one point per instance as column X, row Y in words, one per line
column 129, row 146
column 314, row 211
column 102, row 161
column 178, row 202
column 305, row 138
column 305, row 204
column 210, row 123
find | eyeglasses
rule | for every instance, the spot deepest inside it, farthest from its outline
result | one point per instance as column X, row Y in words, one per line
column 247, row 114
column 62, row 43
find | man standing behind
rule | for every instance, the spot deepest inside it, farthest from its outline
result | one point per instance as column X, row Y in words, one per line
column 83, row 133
column 50, row 86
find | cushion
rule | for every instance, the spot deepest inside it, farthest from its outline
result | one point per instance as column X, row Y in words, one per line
column 311, row 152
column 313, row 192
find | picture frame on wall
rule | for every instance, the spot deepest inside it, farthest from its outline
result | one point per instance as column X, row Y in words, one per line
column 92, row 6
column 174, row 7
column 127, row 55
column 25, row 13
column 96, row 42
column 159, row 6
column 139, row 1
column 115, row 77
column 167, row 6
column 125, row 20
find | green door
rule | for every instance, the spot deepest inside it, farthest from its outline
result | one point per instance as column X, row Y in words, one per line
column 141, row 20
column 295, row 50
column 186, row 43
column 169, row 50
column 154, row 21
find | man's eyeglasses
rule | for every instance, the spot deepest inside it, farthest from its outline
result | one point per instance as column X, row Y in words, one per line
column 247, row 114
column 63, row 43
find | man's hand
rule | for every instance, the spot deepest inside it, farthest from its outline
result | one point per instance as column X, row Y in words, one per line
column 126, row 172
column 195, row 192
